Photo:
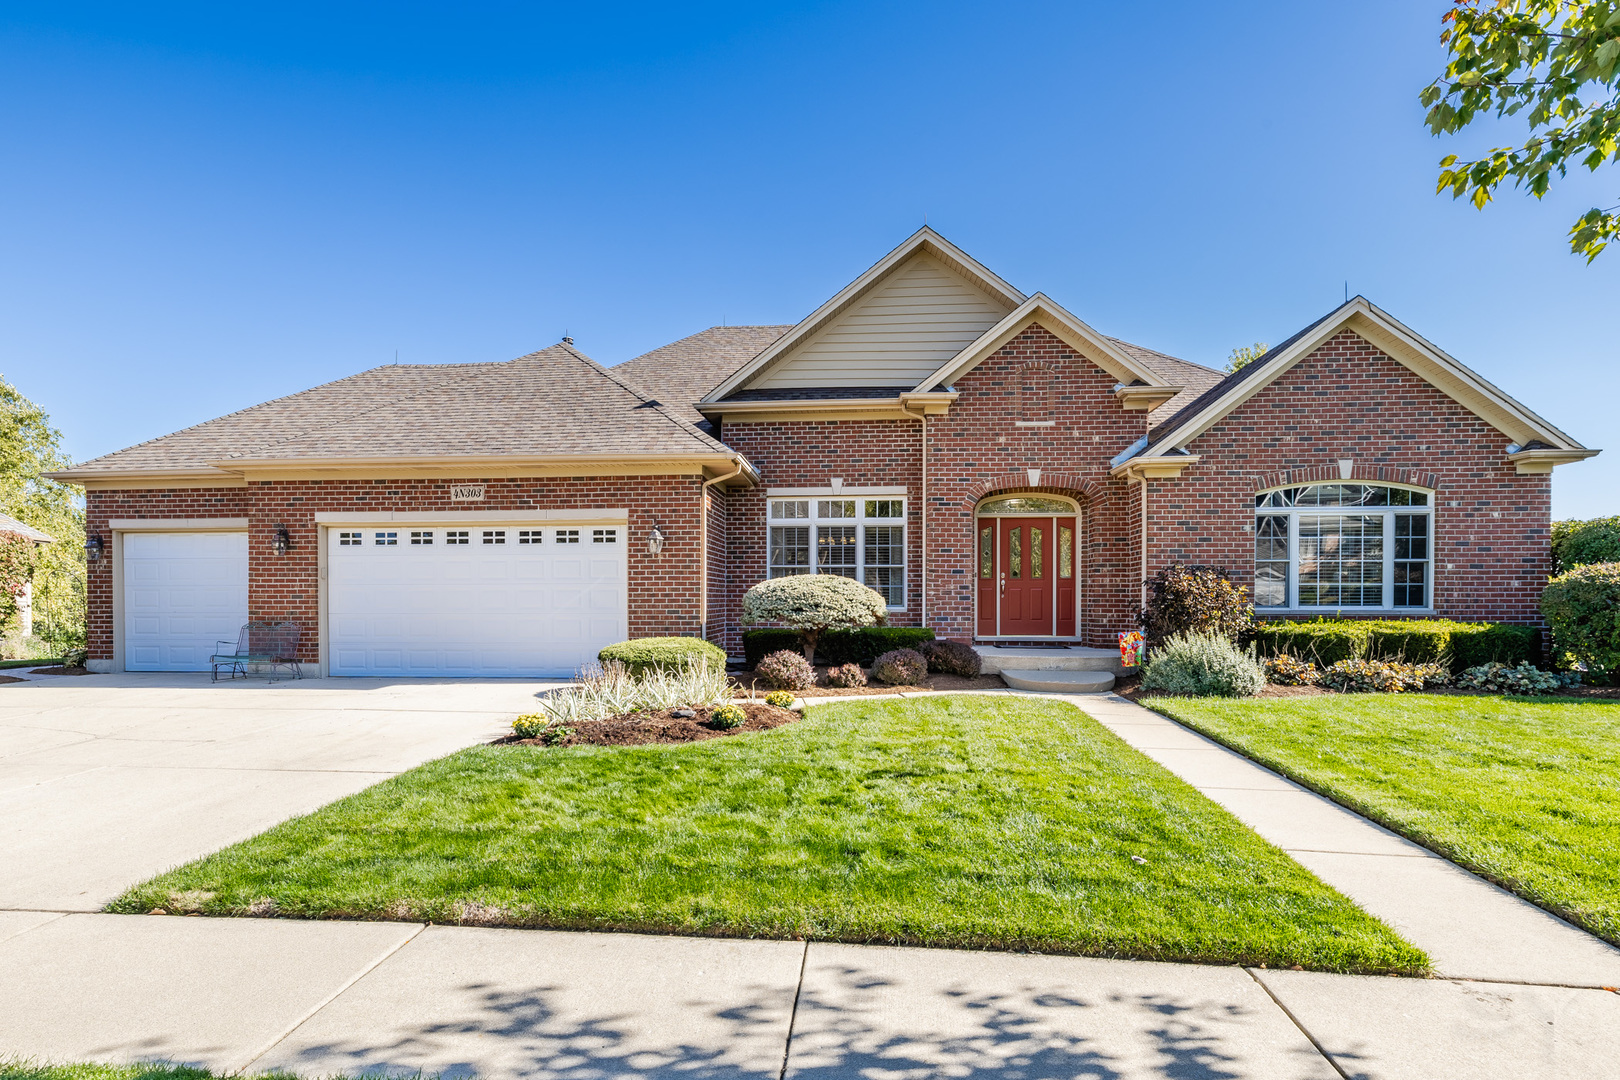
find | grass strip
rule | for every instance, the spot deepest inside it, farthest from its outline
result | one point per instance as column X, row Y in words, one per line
column 986, row 821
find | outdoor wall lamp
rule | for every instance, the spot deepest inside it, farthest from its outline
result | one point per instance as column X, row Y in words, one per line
column 93, row 548
column 655, row 540
column 280, row 542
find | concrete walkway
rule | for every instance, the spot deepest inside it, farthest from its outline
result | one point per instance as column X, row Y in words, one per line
column 323, row 997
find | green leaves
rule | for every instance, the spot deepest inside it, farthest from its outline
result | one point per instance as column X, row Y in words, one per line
column 1553, row 61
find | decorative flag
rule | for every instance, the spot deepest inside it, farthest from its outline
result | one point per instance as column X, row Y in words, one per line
column 1130, row 648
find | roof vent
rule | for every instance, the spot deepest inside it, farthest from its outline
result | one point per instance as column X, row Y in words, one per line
column 567, row 340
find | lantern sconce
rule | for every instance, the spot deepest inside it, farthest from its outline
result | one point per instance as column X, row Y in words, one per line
column 280, row 542
column 93, row 548
column 655, row 540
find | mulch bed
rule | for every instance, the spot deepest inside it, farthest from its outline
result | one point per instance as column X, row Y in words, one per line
column 640, row 729
column 1131, row 690
column 58, row 669
column 745, row 681
column 10, row 678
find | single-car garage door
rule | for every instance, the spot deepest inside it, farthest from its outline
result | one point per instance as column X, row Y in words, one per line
column 183, row 593
column 491, row 600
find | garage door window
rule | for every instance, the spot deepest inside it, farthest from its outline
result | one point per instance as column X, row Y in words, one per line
column 529, row 536
column 567, row 536
column 604, row 536
column 457, row 536
column 350, row 539
column 387, row 539
column 494, row 536
column 421, row 537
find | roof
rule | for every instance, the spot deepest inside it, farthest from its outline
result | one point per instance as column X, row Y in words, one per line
column 553, row 402
column 9, row 524
column 681, row 373
column 1193, row 378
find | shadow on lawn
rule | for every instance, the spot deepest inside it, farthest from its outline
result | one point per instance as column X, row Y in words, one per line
column 848, row 1022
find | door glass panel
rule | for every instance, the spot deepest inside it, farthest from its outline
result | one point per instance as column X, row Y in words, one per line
column 1015, row 551
column 987, row 567
column 1065, row 551
column 1035, row 565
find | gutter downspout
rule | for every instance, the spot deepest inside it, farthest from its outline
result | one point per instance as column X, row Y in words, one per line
column 703, row 546
column 1142, row 599
column 923, row 418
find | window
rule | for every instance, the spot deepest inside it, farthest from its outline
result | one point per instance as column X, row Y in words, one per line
column 494, row 536
column 530, row 536
column 862, row 539
column 567, row 536
column 457, row 536
column 351, row 539
column 604, row 536
column 1343, row 546
column 420, row 537
column 387, row 539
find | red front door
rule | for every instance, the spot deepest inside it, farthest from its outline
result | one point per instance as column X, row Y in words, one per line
column 1025, row 582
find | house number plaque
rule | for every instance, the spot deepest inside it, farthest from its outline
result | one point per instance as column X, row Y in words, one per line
column 466, row 492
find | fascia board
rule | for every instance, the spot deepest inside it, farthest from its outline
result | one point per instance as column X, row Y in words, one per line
column 1041, row 309
column 499, row 465
column 923, row 239
column 1163, row 467
column 107, row 479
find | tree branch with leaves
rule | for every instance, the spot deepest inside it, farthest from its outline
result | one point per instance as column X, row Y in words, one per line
column 1556, row 62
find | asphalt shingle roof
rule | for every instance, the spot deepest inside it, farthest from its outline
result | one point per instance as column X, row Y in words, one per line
column 9, row 524
column 681, row 373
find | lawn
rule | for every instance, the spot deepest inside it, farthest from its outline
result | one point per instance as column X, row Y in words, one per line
column 972, row 821
column 22, row 1069
column 1524, row 791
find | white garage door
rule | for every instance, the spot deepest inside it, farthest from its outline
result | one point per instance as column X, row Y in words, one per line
column 183, row 593
column 492, row 600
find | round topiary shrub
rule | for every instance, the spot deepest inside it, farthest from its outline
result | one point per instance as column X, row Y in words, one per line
column 846, row 675
column 641, row 655
column 952, row 658
column 1583, row 609
column 1203, row 665
column 902, row 667
column 782, row 699
column 728, row 717
column 785, row 670
column 811, row 603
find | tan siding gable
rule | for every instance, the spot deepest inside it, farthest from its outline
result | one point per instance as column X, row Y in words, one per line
column 909, row 325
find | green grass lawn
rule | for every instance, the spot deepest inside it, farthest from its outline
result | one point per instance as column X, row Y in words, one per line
column 971, row 820
column 1525, row 791
column 22, row 1069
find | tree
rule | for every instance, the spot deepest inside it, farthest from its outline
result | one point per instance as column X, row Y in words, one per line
column 29, row 445
column 1245, row 355
column 812, row 603
column 1554, row 60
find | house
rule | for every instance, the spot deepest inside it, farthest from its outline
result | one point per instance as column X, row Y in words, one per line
column 25, row 599
column 994, row 466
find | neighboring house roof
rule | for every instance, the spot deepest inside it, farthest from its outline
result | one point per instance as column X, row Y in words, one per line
column 9, row 524
column 555, row 402
column 681, row 373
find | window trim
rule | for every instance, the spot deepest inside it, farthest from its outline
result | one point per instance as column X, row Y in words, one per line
column 1292, row 514
column 813, row 522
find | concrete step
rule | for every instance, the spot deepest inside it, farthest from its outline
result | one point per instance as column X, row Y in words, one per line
column 1059, row 682
column 1073, row 658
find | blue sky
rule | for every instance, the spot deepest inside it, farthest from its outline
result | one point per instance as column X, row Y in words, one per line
column 204, row 207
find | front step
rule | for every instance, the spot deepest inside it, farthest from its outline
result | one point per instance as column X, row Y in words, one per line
column 1057, row 681
column 996, row 661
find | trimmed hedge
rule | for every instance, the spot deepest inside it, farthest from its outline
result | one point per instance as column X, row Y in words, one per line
column 836, row 646
column 641, row 655
column 1459, row 645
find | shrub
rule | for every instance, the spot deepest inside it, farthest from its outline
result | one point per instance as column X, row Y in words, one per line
column 952, row 658
column 611, row 690
column 786, row 670
column 642, row 655
column 782, row 699
column 1195, row 600
column 1383, row 676
column 1581, row 543
column 728, row 717
column 846, row 675
column 1583, row 609
column 1502, row 679
column 1324, row 641
column 1411, row 641
column 1457, row 644
column 902, row 667
column 75, row 657
column 551, row 736
column 1288, row 670
column 813, row 603
column 1473, row 644
column 529, row 725
column 860, row 646
column 1203, row 665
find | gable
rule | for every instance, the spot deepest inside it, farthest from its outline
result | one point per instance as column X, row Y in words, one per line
column 912, row 322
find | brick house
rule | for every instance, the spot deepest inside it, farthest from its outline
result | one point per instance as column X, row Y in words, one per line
column 995, row 467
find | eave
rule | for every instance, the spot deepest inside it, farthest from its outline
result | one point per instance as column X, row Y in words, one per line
column 1529, row 462
column 888, row 408
column 1167, row 467
column 1138, row 397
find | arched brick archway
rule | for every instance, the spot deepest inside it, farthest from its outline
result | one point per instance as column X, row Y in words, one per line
column 1366, row 474
column 1052, row 483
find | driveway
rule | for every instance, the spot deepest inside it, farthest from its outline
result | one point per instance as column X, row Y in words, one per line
column 106, row 780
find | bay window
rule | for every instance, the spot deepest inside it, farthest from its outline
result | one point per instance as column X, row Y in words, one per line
column 863, row 539
column 1331, row 546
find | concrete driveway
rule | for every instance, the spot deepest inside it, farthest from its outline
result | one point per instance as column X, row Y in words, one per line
column 106, row 780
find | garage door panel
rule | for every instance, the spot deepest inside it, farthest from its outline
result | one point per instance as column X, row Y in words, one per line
column 183, row 593
column 477, row 609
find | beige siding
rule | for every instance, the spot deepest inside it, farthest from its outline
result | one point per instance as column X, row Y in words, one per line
column 917, row 318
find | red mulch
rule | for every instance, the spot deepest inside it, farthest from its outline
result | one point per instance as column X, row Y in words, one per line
column 639, row 729
column 745, row 680
column 58, row 669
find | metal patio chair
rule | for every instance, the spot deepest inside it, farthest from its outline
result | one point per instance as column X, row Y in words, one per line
column 261, row 644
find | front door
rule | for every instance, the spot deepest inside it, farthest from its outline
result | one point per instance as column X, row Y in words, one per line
column 1026, row 577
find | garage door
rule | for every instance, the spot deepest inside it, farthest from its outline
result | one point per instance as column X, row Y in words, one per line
column 491, row 600
column 183, row 593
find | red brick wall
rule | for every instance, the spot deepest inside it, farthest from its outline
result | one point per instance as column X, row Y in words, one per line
column 1349, row 400
column 663, row 589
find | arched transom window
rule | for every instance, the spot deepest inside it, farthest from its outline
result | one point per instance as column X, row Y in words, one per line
column 1336, row 546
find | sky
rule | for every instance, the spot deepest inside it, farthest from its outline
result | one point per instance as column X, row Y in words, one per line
column 203, row 207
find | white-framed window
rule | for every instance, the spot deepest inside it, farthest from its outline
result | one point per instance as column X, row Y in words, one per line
column 421, row 537
column 494, row 536
column 567, row 536
column 1333, row 546
column 387, row 539
column 457, row 536
column 604, row 536
column 860, row 538
column 530, row 536
column 351, row 539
